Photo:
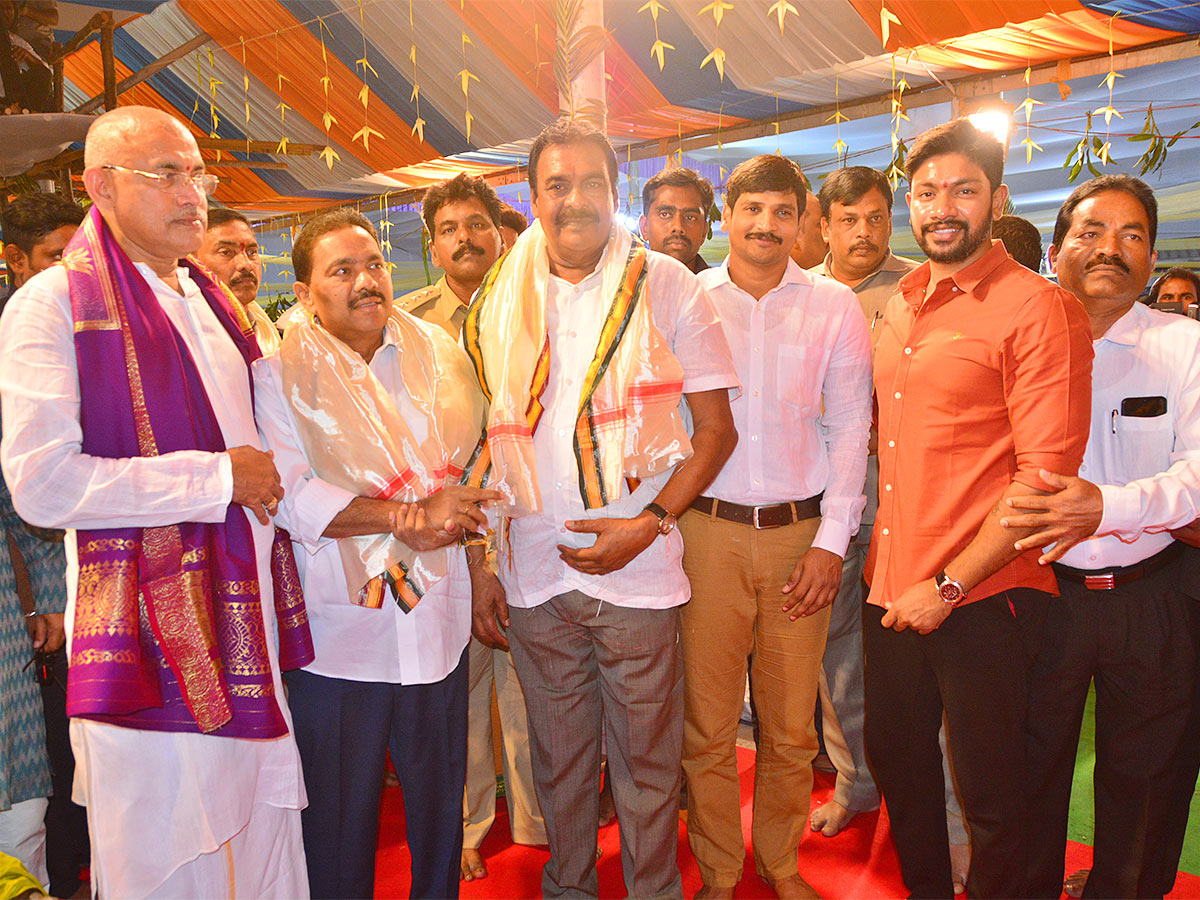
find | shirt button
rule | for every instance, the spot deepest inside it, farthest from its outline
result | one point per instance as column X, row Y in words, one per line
column 756, row 393
column 908, row 351
column 756, row 481
column 754, row 437
column 886, row 532
column 1083, row 468
column 896, row 395
column 887, row 487
column 756, row 349
column 562, row 432
column 891, row 443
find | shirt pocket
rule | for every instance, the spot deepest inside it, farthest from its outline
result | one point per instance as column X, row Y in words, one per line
column 1144, row 444
column 795, row 378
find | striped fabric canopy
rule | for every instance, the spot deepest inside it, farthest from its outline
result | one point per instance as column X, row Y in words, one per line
column 294, row 72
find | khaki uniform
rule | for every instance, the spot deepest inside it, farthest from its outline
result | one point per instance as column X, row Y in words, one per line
column 438, row 304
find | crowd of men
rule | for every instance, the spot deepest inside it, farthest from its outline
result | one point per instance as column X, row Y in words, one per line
column 592, row 473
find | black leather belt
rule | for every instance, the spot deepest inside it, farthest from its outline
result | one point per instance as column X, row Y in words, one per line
column 761, row 516
column 1107, row 579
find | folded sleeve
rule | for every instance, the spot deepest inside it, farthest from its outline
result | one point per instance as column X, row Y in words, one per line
column 1047, row 366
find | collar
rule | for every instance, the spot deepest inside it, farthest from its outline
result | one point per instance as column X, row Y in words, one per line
column 891, row 263
column 447, row 303
column 973, row 280
column 793, row 274
column 1127, row 330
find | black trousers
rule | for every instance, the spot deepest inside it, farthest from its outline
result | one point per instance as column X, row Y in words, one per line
column 1136, row 643
column 975, row 669
column 344, row 730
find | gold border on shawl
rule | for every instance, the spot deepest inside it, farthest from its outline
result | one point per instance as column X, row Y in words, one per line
column 91, row 261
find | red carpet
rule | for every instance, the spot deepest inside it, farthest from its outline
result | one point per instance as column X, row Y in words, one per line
column 860, row 862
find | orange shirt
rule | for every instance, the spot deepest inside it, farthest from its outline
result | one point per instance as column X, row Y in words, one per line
column 983, row 383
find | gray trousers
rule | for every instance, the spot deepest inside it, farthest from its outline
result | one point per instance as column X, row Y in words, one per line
column 589, row 667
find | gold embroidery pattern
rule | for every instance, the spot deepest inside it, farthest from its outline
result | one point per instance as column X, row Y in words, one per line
column 106, row 600
column 92, row 656
column 253, row 690
column 195, row 555
column 89, row 260
column 106, row 544
column 239, row 588
column 294, row 620
column 242, row 637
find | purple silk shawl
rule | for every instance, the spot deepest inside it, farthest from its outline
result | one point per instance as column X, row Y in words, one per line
column 168, row 632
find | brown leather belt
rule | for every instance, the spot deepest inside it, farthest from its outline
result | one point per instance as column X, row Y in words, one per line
column 1107, row 579
column 761, row 516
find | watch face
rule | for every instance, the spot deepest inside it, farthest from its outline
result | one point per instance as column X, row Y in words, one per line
column 667, row 524
column 950, row 592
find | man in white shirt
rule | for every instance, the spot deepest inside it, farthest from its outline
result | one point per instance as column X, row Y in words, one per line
column 1128, row 587
column 764, row 544
column 585, row 370
column 184, row 799
column 368, row 411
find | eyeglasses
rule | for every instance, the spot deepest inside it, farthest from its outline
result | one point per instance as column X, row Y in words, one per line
column 173, row 182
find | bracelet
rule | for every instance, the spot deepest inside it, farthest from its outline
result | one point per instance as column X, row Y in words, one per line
column 473, row 539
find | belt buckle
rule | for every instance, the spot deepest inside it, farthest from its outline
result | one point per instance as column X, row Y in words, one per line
column 754, row 519
column 1105, row 582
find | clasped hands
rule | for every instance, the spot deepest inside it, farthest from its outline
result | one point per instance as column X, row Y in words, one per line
column 442, row 517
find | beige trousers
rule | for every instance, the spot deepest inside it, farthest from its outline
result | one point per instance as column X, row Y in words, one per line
column 737, row 574
column 488, row 667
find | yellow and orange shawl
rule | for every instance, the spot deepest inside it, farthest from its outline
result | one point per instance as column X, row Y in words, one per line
column 628, row 424
column 356, row 439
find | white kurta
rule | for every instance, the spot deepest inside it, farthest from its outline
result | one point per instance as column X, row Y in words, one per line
column 156, row 800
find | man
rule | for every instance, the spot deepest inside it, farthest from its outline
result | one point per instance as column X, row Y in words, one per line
column 230, row 249
column 464, row 241
column 764, row 544
column 391, row 603
column 810, row 247
column 856, row 223
column 153, row 463
column 1021, row 239
column 455, row 213
column 982, row 378
column 1176, row 286
column 36, row 227
column 512, row 225
column 595, row 464
column 676, row 202
column 1128, row 587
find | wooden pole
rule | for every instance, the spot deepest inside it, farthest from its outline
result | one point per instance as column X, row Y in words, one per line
column 109, row 61
column 141, row 74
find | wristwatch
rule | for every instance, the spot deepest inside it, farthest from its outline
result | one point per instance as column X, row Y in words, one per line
column 950, row 590
column 666, row 520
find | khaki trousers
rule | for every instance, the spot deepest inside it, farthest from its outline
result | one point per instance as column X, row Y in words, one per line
column 737, row 574
column 490, row 666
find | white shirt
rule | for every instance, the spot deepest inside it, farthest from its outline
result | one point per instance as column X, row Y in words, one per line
column 575, row 313
column 1148, row 469
column 803, row 354
column 352, row 641
column 130, row 778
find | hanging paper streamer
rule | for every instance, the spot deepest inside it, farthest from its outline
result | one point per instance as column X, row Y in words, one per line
column 717, row 56
column 281, row 106
column 466, row 76
column 659, row 48
column 327, row 118
column 363, row 135
column 418, row 127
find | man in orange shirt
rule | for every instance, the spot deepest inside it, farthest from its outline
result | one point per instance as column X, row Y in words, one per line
column 983, row 376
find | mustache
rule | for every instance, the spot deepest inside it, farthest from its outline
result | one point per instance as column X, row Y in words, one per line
column 1102, row 260
column 244, row 277
column 369, row 294
column 763, row 236
column 465, row 248
column 933, row 226
column 568, row 216
column 863, row 245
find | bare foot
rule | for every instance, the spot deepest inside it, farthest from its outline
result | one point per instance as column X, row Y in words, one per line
column 960, row 866
column 1075, row 883
column 830, row 818
column 794, row 888
column 471, row 865
column 716, row 893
